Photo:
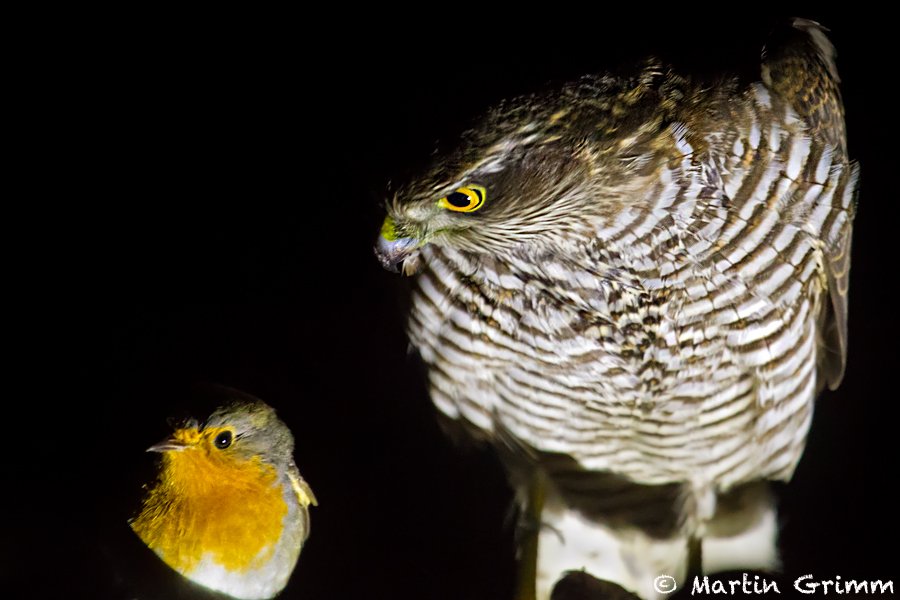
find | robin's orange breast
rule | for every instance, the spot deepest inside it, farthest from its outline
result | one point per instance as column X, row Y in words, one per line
column 215, row 506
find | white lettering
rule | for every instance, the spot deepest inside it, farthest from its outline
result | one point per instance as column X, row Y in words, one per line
column 807, row 585
column 882, row 587
column 700, row 588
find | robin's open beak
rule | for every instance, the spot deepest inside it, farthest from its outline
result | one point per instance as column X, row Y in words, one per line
column 168, row 445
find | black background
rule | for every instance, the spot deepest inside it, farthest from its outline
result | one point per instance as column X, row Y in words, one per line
column 221, row 184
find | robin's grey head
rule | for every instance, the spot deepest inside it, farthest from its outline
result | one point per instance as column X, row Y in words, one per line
column 246, row 429
column 251, row 428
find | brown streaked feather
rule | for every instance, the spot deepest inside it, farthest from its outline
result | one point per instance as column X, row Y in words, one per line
column 798, row 64
column 801, row 68
column 833, row 336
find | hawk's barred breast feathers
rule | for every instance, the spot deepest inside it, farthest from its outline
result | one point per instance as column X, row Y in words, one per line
column 656, row 285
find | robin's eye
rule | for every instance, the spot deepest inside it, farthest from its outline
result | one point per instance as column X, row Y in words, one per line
column 223, row 440
column 465, row 199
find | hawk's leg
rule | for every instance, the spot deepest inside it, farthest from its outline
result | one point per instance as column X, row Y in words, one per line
column 529, row 535
column 695, row 557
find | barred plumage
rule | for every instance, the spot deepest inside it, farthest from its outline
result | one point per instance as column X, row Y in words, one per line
column 652, row 295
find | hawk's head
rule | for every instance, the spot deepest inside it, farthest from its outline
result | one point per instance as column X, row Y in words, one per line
column 537, row 170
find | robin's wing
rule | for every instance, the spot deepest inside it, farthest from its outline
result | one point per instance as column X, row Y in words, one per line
column 305, row 496
column 304, row 493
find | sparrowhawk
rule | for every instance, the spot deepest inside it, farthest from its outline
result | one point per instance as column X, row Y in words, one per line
column 635, row 287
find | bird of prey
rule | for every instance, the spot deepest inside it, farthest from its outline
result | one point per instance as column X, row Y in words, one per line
column 635, row 287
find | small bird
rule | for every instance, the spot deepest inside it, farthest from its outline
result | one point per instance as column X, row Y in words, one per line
column 229, row 510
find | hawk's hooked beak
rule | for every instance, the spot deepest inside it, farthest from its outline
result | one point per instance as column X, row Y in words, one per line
column 397, row 253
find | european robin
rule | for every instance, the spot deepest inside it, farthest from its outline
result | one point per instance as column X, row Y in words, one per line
column 229, row 510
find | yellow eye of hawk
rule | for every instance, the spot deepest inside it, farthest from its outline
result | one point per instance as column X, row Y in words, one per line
column 465, row 199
